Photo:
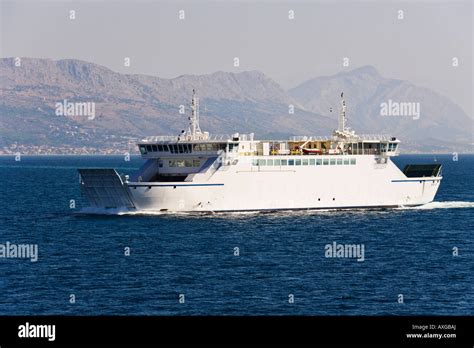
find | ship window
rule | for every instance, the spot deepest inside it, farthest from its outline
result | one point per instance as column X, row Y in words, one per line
column 208, row 147
column 339, row 161
column 305, row 161
column 160, row 148
column 165, row 148
column 255, row 162
column 269, row 162
column 261, row 162
column 175, row 148
column 196, row 163
column 172, row 163
column 353, row 161
column 298, row 162
column 143, row 150
column 154, row 148
column 325, row 161
column 233, row 147
column 311, row 161
column 277, row 162
column 346, row 161
column 319, row 162
column 284, row 162
column 160, row 163
column 180, row 148
column 148, row 148
column 222, row 146
column 332, row 161
column 180, row 163
column 291, row 162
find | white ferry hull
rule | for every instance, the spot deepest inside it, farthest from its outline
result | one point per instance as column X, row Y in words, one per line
column 193, row 172
column 246, row 188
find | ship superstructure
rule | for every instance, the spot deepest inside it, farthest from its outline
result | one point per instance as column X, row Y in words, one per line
column 195, row 171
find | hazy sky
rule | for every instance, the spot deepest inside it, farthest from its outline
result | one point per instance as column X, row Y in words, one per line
column 418, row 48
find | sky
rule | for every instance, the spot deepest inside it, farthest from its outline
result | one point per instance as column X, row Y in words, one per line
column 420, row 47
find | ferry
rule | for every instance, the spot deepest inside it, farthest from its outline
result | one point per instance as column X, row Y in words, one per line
column 197, row 172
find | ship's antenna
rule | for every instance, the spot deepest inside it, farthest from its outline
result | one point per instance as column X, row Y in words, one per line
column 194, row 129
column 342, row 115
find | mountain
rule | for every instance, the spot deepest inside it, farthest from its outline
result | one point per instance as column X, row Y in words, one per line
column 129, row 107
column 133, row 106
column 441, row 125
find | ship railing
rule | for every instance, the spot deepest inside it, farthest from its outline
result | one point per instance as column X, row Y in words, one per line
column 380, row 137
column 159, row 138
column 311, row 138
column 214, row 137
column 355, row 138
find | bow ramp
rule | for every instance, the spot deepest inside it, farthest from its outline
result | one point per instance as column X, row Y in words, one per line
column 104, row 188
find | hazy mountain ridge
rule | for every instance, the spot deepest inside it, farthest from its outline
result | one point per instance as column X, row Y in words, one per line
column 136, row 105
column 441, row 122
column 133, row 106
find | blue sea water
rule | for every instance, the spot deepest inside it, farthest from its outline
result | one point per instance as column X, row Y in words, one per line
column 407, row 252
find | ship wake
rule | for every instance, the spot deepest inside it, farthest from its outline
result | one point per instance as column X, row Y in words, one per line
column 442, row 205
column 124, row 211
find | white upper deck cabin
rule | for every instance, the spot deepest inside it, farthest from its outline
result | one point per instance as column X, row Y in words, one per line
column 195, row 143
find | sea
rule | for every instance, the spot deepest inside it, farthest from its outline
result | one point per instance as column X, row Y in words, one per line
column 416, row 261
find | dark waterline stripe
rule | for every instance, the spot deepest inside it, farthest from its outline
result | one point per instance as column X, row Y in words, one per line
column 418, row 180
column 172, row 185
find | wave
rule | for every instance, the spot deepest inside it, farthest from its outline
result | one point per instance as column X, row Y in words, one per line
column 124, row 211
column 119, row 211
column 442, row 205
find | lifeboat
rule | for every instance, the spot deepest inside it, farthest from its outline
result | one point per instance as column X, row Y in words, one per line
column 311, row 151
